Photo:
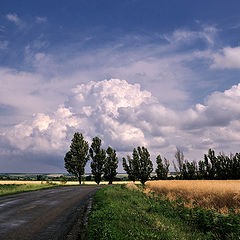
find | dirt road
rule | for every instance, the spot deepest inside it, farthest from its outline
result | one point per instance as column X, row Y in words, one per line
column 44, row 215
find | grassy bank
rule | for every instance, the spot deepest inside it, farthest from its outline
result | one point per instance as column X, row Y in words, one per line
column 120, row 213
column 6, row 189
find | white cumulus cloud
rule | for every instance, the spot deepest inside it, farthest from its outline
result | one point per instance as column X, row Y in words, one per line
column 125, row 116
column 227, row 58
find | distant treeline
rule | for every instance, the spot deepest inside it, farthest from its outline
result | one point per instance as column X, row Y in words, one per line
column 213, row 167
column 220, row 167
column 39, row 177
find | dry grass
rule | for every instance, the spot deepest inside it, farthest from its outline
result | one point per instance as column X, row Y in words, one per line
column 210, row 194
column 131, row 186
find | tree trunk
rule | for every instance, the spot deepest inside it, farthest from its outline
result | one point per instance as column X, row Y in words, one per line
column 110, row 182
column 80, row 179
column 142, row 182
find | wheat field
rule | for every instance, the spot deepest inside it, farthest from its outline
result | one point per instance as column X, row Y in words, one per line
column 210, row 194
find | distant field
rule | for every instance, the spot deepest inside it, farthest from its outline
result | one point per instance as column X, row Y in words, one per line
column 121, row 175
column 210, row 194
column 59, row 182
column 14, row 186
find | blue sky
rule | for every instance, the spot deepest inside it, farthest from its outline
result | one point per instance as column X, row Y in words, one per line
column 163, row 74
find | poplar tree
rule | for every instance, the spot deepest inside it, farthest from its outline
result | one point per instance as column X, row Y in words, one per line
column 129, row 168
column 98, row 156
column 132, row 167
column 162, row 168
column 145, row 164
column 178, row 166
column 111, row 164
column 77, row 157
column 140, row 166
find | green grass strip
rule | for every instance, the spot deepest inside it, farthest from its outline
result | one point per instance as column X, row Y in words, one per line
column 119, row 214
column 6, row 189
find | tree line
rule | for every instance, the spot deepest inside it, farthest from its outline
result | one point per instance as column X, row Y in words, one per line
column 104, row 163
column 213, row 167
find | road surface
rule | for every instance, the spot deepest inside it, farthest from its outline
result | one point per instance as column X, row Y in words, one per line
column 46, row 214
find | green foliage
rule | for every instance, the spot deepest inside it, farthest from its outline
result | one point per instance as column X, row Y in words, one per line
column 110, row 166
column 219, row 167
column 213, row 224
column 88, row 178
column 130, row 168
column 63, row 179
column 77, row 157
column 140, row 166
column 189, row 170
column 162, row 168
column 213, row 167
column 98, row 156
column 145, row 164
column 40, row 178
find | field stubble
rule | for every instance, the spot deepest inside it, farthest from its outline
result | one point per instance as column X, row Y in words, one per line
column 220, row 195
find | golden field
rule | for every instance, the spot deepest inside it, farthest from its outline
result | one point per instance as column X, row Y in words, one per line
column 210, row 194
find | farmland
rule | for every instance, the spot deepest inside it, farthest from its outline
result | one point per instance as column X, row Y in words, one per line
column 220, row 195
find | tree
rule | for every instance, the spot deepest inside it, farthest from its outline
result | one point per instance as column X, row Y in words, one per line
column 129, row 168
column 140, row 166
column 132, row 168
column 201, row 170
column 189, row 170
column 77, row 157
column 111, row 164
column 40, row 178
column 178, row 166
column 162, row 168
column 235, row 166
column 145, row 165
column 98, row 156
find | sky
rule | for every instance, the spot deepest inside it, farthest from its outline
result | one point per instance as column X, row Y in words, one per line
column 160, row 74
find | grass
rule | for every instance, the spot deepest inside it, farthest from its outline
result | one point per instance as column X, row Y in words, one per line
column 122, row 213
column 6, row 189
column 220, row 195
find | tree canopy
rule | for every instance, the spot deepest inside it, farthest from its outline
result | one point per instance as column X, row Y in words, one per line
column 77, row 157
column 98, row 156
column 139, row 166
column 111, row 164
column 162, row 168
